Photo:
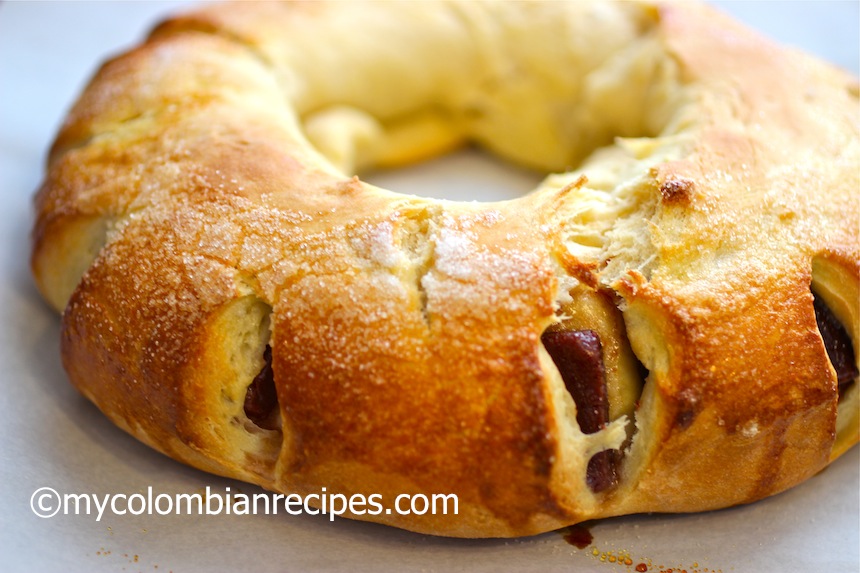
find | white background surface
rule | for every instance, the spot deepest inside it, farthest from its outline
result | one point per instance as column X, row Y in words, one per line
column 53, row 437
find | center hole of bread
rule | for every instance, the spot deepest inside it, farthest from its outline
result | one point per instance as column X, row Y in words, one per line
column 464, row 175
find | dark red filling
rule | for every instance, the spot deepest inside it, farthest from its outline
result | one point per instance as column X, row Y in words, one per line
column 578, row 355
column 261, row 399
column 838, row 344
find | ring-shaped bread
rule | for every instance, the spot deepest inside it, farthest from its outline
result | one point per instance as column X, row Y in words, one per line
column 234, row 297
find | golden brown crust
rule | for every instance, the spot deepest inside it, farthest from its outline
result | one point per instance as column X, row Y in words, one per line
column 186, row 221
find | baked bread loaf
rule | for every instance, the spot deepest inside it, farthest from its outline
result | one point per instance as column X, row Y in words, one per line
column 669, row 323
